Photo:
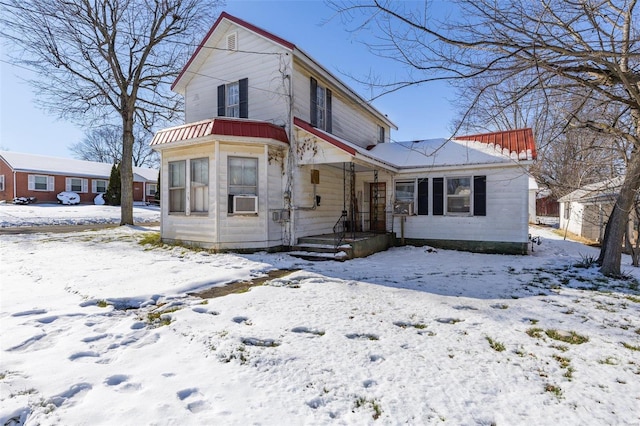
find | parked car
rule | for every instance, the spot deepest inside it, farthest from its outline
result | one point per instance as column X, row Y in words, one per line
column 68, row 197
column 24, row 200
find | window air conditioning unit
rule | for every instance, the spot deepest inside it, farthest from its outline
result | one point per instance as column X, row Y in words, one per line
column 403, row 208
column 245, row 204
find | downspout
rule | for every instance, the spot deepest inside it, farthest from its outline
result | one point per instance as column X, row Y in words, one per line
column 14, row 184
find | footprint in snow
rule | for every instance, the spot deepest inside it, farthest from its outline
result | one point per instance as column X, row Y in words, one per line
column 83, row 354
column 94, row 338
column 32, row 343
column 362, row 336
column 198, row 406
column 72, row 392
column 265, row 343
column 201, row 310
column 465, row 308
column 313, row 331
column 376, row 358
column 369, row 383
column 242, row 320
column 47, row 320
column 30, row 312
column 116, row 379
column 186, row 393
column 449, row 320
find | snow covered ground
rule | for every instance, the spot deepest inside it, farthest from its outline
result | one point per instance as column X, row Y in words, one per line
column 13, row 215
column 97, row 329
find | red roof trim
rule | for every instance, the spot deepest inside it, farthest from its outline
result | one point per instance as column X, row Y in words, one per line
column 240, row 22
column 314, row 131
column 221, row 126
column 516, row 141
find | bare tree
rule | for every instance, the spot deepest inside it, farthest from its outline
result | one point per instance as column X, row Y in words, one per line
column 586, row 50
column 104, row 144
column 106, row 59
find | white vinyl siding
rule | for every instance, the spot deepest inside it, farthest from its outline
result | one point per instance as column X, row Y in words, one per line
column 77, row 185
column 266, row 89
column 40, row 183
column 99, row 186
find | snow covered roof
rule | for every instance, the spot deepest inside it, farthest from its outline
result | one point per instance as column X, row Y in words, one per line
column 21, row 162
column 606, row 190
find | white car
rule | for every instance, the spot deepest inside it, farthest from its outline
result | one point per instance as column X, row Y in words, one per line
column 68, row 197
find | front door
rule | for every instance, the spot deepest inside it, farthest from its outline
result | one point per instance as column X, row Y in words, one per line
column 377, row 197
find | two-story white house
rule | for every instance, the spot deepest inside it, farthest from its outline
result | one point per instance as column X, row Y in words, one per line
column 276, row 148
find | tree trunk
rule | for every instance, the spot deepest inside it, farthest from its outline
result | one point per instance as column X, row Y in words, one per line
column 126, row 169
column 611, row 251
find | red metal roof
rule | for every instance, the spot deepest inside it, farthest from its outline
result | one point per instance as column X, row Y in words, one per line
column 516, row 141
column 314, row 131
column 240, row 22
column 221, row 126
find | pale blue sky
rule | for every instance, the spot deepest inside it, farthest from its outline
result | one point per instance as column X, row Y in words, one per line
column 419, row 112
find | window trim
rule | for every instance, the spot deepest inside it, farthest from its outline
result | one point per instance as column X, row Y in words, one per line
column 230, row 193
column 315, row 108
column 243, row 99
column 84, row 185
column 50, row 183
column 449, row 196
column 477, row 196
column 148, row 187
column 94, row 185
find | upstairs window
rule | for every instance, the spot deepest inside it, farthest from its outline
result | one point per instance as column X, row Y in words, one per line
column 233, row 99
column 320, row 109
column 381, row 136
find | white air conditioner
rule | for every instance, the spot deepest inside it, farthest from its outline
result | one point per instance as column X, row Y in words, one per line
column 403, row 208
column 245, row 204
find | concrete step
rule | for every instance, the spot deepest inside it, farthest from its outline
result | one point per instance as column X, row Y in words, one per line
column 316, row 248
column 317, row 256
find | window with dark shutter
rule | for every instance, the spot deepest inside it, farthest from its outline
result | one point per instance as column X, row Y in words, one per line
column 314, row 102
column 221, row 101
column 244, row 98
column 438, row 196
column 423, row 196
column 328, row 122
column 479, row 195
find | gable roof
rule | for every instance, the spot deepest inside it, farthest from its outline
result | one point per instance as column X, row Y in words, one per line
column 220, row 126
column 606, row 190
column 295, row 50
column 21, row 162
column 519, row 142
column 405, row 156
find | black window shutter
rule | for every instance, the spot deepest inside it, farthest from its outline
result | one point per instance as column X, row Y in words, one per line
column 423, row 196
column 221, row 102
column 479, row 195
column 438, row 196
column 314, row 102
column 243, row 86
column 328, row 123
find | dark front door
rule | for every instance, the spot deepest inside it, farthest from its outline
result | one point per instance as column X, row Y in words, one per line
column 377, row 197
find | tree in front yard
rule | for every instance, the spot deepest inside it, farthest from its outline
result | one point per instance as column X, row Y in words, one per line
column 113, row 196
column 107, row 60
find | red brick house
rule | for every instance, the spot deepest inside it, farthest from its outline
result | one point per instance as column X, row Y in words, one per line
column 29, row 175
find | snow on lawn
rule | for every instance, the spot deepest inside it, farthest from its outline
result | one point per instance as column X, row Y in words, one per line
column 15, row 215
column 98, row 329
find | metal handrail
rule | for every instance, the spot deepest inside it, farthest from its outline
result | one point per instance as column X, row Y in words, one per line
column 340, row 230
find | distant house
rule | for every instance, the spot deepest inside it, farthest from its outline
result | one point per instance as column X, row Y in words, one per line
column 28, row 175
column 276, row 150
column 585, row 211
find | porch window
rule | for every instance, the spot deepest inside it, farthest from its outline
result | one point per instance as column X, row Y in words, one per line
column 243, row 176
column 99, row 186
column 77, row 185
column 199, row 184
column 320, row 110
column 40, row 183
column 233, row 99
column 177, row 179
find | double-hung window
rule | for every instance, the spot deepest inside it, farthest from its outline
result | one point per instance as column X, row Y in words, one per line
column 320, row 109
column 152, row 188
column 77, row 185
column 233, row 99
column 243, row 176
column 460, row 195
column 195, row 185
column 99, row 186
column 405, row 191
column 177, row 186
column 199, row 185
column 40, row 183
column 1, row 182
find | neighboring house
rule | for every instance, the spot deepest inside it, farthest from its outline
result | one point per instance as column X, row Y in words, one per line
column 585, row 211
column 28, row 175
column 276, row 148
